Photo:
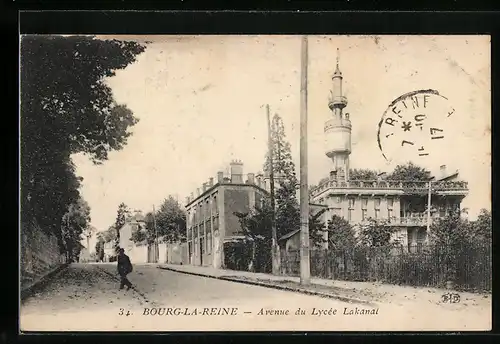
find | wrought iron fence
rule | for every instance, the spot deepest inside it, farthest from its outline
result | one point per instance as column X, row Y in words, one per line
column 468, row 267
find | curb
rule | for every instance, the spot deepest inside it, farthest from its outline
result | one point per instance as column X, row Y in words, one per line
column 31, row 289
column 275, row 286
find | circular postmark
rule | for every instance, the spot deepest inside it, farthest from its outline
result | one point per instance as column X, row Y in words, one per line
column 415, row 126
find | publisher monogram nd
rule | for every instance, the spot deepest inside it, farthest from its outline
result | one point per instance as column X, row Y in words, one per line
column 416, row 125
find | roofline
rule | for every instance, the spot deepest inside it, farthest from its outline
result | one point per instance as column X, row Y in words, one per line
column 289, row 235
column 216, row 185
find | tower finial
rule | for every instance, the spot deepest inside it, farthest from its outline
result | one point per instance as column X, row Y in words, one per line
column 337, row 69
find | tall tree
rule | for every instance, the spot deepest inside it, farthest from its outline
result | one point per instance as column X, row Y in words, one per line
column 122, row 214
column 409, row 172
column 171, row 220
column 287, row 206
column 67, row 108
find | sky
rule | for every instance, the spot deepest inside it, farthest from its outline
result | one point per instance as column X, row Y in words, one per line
column 200, row 101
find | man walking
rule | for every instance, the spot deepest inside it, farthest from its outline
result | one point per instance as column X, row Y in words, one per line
column 124, row 268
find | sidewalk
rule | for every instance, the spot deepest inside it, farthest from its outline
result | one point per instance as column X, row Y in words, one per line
column 31, row 285
column 357, row 292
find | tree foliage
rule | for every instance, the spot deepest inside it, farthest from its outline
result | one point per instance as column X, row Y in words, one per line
column 67, row 108
column 376, row 233
column 363, row 174
column 110, row 234
column 74, row 223
column 341, row 234
column 170, row 223
column 171, row 220
column 409, row 172
column 316, row 230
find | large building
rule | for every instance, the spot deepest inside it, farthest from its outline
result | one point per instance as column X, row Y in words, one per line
column 211, row 219
column 403, row 204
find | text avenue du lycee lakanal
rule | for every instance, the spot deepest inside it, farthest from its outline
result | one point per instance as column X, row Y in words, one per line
column 234, row 311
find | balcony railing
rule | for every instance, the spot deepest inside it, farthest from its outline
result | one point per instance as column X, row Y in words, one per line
column 415, row 219
column 411, row 187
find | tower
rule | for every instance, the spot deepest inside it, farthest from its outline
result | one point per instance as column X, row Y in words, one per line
column 338, row 129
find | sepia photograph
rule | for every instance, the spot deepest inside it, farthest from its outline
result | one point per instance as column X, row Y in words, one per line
column 255, row 183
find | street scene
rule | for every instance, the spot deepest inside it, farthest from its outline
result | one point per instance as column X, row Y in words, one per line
column 255, row 183
column 89, row 292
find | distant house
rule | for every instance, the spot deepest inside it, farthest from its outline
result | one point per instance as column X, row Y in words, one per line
column 133, row 250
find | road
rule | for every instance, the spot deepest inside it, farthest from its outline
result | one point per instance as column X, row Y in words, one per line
column 85, row 297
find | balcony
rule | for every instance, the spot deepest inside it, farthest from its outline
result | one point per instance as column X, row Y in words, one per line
column 403, row 187
column 339, row 101
column 415, row 219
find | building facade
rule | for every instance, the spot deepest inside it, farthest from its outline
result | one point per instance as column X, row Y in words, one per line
column 132, row 224
column 404, row 204
column 211, row 219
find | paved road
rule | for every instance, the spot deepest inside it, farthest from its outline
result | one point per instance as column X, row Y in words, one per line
column 85, row 297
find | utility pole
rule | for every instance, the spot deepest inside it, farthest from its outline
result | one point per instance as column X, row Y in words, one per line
column 156, row 237
column 275, row 253
column 429, row 207
column 304, row 192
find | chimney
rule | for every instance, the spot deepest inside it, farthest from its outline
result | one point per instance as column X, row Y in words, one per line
column 220, row 177
column 236, row 167
column 442, row 170
column 188, row 200
column 258, row 177
column 211, row 182
column 204, row 187
column 198, row 192
column 192, row 195
column 251, row 178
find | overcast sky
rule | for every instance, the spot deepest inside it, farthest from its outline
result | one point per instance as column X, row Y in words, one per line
column 200, row 104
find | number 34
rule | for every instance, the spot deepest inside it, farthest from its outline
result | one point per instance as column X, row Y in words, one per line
column 123, row 312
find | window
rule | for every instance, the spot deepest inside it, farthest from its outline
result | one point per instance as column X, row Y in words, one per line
column 364, row 203
column 209, row 242
column 363, row 214
column 351, row 203
column 215, row 205
column 207, row 208
column 390, row 214
column 377, row 203
column 338, row 199
column 349, row 215
column 390, row 203
column 377, row 213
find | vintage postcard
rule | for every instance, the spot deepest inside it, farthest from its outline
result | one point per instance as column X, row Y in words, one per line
column 255, row 183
